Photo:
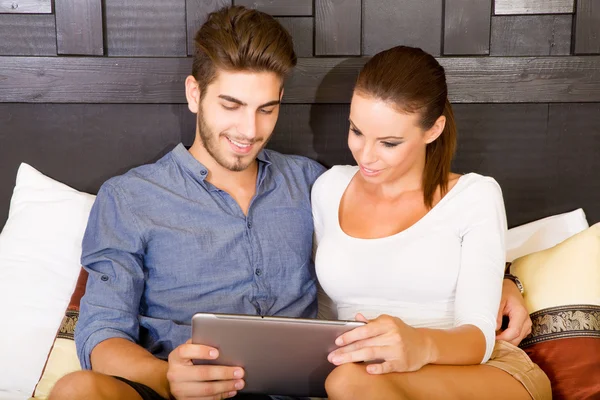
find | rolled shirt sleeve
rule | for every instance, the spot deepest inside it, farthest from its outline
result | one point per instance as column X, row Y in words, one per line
column 112, row 253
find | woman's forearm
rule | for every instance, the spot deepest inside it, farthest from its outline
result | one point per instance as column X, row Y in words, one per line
column 464, row 345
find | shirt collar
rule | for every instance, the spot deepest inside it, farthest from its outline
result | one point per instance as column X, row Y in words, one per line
column 198, row 170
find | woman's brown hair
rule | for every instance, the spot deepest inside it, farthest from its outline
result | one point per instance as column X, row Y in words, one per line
column 414, row 82
column 237, row 39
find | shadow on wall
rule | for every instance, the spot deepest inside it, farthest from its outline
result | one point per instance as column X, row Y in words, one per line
column 329, row 113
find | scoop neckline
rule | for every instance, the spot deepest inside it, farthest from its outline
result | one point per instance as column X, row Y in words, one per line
column 444, row 200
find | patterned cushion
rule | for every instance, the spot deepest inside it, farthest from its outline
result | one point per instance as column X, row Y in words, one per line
column 565, row 343
column 562, row 293
column 63, row 356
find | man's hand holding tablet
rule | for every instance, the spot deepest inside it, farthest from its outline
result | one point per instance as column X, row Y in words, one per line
column 279, row 355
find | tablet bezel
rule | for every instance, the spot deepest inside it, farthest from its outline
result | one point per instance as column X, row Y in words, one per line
column 272, row 339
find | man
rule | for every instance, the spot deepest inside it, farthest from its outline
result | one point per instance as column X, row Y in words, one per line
column 223, row 227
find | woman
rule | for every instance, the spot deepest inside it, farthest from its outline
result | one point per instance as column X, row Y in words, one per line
column 414, row 250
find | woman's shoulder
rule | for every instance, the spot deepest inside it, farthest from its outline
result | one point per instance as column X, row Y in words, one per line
column 477, row 182
column 337, row 173
column 333, row 180
column 476, row 190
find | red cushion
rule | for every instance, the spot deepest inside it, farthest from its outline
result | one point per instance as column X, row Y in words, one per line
column 565, row 344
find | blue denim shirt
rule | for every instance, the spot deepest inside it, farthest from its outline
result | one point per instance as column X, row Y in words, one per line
column 162, row 243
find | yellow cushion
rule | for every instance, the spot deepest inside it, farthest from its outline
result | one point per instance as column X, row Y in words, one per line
column 62, row 361
column 568, row 273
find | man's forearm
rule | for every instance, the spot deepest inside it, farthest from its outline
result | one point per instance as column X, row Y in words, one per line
column 120, row 357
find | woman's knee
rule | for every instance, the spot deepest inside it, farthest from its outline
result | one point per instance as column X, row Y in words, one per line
column 344, row 382
column 77, row 385
column 352, row 381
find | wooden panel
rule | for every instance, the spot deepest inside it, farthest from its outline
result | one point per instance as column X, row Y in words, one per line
column 323, row 80
column 318, row 80
column 27, row 35
column 146, row 28
column 301, row 29
column 79, row 27
column 389, row 23
column 508, row 142
column 537, row 35
column 93, row 79
column 318, row 131
column 467, row 27
column 587, row 27
column 574, row 134
column 196, row 13
column 280, row 7
column 26, row 6
column 82, row 145
column 534, row 6
column 470, row 80
column 338, row 27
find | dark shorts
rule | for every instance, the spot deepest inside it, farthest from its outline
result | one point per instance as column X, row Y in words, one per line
column 149, row 394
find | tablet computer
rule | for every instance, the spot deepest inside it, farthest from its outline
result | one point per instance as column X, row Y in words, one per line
column 280, row 355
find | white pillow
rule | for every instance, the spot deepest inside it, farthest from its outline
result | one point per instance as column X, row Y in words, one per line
column 544, row 233
column 40, row 251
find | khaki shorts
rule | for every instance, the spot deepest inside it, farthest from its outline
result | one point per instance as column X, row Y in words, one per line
column 516, row 362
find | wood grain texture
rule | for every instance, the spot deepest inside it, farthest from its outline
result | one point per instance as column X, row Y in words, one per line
column 301, row 29
column 470, row 79
column 280, row 8
column 389, row 23
column 196, row 13
column 467, row 27
column 93, row 80
column 318, row 131
column 532, row 35
column 338, row 27
column 79, row 27
column 27, row 35
column 574, row 136
column 522, row 79
column 146, row 28
column 512, row 7
column 587, row 27
column 26, row 6
column 508, row 142
column 315, row 80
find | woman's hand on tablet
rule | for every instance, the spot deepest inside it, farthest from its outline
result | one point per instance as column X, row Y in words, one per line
column 187, row 380
column 392, row 344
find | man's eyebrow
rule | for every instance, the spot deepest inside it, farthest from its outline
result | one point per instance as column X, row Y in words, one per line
column 241, row 103
column 270, row 103
column 232, row 99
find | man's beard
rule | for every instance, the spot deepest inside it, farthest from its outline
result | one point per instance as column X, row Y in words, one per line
column 210, row 141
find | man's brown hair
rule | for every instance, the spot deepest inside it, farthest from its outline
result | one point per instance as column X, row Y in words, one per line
column 414, row 82
column 240, row 39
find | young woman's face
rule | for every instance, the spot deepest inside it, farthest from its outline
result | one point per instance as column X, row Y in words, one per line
column 385, row 143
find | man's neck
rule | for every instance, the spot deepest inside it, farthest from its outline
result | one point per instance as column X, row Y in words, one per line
column 222, row 177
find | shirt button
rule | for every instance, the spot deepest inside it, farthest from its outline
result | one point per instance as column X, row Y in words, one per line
column 258, row 272
column 249, row 225
column 203, row 172
column 104, row 278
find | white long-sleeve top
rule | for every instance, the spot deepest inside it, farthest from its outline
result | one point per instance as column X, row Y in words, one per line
column 444, row 271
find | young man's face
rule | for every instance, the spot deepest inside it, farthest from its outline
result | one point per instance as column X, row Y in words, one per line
column 237, row 116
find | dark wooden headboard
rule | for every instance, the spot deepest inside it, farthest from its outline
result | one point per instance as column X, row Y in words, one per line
column 90, row 89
